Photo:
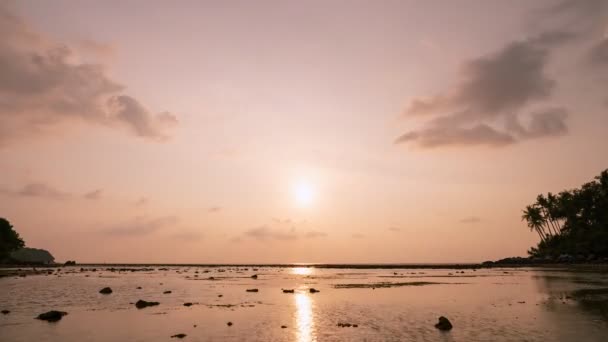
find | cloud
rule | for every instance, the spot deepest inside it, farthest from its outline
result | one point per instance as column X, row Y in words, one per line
column 141, row 226
column 490, row 97
column 264, row 233
column 214, row 209
column 471, row 220
column 394, row 229
column 191, row 236
column 37, row 189
column 93, row 195
column 313, row 234
column 44, row 88
column 141, row 202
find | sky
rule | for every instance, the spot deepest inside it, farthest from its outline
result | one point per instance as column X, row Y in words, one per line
column 295, row 131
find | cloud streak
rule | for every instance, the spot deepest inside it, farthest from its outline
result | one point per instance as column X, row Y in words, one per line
column 43, row 89
column 37, row 189
column 141, row 226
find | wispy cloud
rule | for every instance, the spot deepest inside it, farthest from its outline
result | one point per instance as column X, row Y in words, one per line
column 266, row 233
column 93, row 195
column 470, row 220
column 37, row 189
column 141, row 226
column 42, row 89
column 214, row 209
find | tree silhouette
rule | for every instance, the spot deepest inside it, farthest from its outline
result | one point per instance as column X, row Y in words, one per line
column 573, row 221
column 9, row 239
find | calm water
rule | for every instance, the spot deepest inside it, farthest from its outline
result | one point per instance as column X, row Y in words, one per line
column 483, row 305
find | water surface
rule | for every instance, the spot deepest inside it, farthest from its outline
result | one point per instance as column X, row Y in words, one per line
column 498, row 304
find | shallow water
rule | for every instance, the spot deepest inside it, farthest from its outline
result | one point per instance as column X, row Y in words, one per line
column 483, row 305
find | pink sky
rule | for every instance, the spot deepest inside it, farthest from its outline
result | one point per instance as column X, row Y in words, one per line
column 295, row 131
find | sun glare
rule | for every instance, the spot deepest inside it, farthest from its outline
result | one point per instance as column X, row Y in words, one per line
column 304, row 193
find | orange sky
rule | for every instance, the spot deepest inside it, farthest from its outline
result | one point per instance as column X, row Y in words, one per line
column 289, row 131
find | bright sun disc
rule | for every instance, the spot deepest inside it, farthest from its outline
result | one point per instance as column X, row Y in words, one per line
column 304, row 193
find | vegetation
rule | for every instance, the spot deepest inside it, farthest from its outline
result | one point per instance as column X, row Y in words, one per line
column 9, row 239
column 573, row 222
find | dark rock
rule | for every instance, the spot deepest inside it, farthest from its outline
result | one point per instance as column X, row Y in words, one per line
column 166, row 292
column 283, row 326
column 138, row 288
column 52, row 316
column 229, row 324
column 443, row 324
column 140, row 304
column 105, row 290
column 252, row 290
column 179, row 336
column 355, row 325
column 313, row 290
column 255, row 276
column 5, row 312
column 188, row 304
column 70, row 263
column 220, row 296
column 288, row 291
column 344, row 325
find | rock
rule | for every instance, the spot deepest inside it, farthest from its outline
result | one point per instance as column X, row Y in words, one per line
column 179, row 336
column 138, row 288
column 140, row 304
column 188, row 304
column 52, row 316
column 255, row 276
column 355, row 325
column 288, row 291
column 105, row 290
column 283, row 326
column 70, row 263
column 313, row 290
column 5, row 312
column 344, row 325
column 167, row 292
column 220, row 296
column 252, row 290
column 229, row 324
column 443, row 324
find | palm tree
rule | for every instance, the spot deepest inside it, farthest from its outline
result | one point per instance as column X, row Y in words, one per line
column 534, row 218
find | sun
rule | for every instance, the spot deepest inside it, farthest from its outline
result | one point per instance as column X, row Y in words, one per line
column 304, row 193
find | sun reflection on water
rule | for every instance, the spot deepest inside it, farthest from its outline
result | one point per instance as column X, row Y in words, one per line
column 304, row 318
column 301, row 270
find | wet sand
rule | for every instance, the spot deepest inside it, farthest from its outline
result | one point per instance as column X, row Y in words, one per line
column 350, row 304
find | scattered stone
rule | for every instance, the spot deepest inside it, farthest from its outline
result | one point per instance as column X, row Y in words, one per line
column 179, row 336
column 220, row 296
column 522, row 302
column 283, row 326
column 443, row 324
column 255, row 276
column 313, row 290
column 5, row 312
column 140, row 304
column 167, row 292
column 346, row 325
column 138, row 288
column 229, row 324
column 288, row 290
column 355, row 325
column 52, row 316
column 105, row 290
column 252, row 290
column 188, row 304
